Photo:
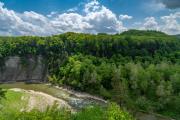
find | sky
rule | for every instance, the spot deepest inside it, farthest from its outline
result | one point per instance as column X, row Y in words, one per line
column 49, row 17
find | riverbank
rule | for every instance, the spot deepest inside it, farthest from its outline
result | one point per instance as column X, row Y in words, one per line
column 70, row 98
column 40, row 100
column 76, row 100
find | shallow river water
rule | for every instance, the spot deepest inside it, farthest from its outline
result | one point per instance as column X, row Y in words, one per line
column 76, row 100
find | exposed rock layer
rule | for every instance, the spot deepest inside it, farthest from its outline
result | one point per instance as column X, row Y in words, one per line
column 28, row 69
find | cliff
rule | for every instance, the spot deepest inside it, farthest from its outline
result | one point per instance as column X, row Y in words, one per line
column 27, row 69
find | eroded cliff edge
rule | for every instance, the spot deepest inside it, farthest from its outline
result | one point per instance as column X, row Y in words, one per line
column 26, row 69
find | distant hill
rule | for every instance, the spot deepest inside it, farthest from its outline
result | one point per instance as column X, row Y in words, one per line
column 143, row 33
column 178, row 36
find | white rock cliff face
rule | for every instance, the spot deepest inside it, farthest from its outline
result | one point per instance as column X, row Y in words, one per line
column 23, row 69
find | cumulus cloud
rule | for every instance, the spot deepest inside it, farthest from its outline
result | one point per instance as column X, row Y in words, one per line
column 11, row 23
column 96, row 18
column 172, row 4
column 150, row 24
column 171, row 23
column 27, row 23
column 70, row 22
column 53, row 13
column 102, row 19
column 125, row 17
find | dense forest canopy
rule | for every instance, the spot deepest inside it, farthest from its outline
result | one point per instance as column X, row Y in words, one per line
column 152, row 46
column 136, row 69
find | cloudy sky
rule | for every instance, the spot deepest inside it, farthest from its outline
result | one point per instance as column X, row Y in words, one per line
column 47, row 17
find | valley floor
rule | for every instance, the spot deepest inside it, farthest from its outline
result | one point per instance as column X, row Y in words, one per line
column 26, row 97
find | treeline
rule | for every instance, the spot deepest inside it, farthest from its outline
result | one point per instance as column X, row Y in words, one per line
column 151, row 47
column 136, row 69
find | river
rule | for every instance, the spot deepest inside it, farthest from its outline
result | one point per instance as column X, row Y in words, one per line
column 76, row 100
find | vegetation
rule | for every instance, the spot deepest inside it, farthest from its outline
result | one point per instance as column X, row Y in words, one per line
column 11, row 103
column 111, row 112
column 136, row 69
column 15, row 107
column 2, row 93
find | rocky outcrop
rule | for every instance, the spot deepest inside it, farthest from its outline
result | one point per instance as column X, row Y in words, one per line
column 16, row 69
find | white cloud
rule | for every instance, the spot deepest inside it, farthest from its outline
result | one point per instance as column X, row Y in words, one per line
column 125, row 17
column 1, row 4
column 53, row 13
column 11, row 23
column 70, row 22
column 171, row 23
column 96, row 18
column 92, row 6
column 74, row 9
column 102, row 19
column 150, row 24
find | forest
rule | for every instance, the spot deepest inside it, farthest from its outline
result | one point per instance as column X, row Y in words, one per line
column 138, row 70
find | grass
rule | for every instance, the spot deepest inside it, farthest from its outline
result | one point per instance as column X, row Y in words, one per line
column 38, row 87
column 12, row 103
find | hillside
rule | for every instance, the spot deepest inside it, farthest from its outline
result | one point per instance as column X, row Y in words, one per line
column 139, row 70
column 144, row 33
column 177, row 36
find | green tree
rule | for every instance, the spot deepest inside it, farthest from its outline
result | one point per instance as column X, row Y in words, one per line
column 114, row 112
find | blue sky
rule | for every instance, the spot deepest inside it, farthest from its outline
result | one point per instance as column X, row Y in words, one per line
column 47, row 17
column 132, row 7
